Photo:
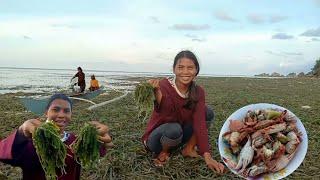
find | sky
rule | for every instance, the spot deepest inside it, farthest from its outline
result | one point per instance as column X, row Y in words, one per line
column 243, row 37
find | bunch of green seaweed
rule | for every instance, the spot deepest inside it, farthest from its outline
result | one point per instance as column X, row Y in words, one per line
column 144, row 97
column 87, row 146
column 50, row 149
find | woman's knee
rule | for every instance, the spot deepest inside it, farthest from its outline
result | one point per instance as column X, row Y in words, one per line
column 172, row 135
column 173, row 131
column 169, row 135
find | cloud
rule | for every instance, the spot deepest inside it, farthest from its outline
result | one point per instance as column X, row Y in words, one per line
column 259, row 19
column 26, row 37
column 274, row 53
column 312, row 32
column 315, row 39
column 199, row 39
column 317, row 2
column 278, row 30
column 289, row 66
column 282, row 36
column 195, row 38
column 224, row 16
column 70, row 26
column 285, row 64
column 249, row 57
column 191, row 36
column 256, row 18
column 284, row 54
column 277, row 18
column 190, row 27
column 292, row 54
column 154, row 19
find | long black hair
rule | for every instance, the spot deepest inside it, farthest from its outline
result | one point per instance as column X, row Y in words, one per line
column 193, row 92
column 58, row 96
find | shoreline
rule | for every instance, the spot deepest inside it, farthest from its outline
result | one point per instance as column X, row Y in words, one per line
column 127, row 83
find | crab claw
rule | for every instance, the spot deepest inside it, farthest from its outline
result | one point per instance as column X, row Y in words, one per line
column 246, row 156
column 281, row 162
column 230, row 163
column 255, row 170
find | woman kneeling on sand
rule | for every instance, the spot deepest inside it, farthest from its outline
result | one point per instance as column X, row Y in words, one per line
column 18, row 148
column 180, row 116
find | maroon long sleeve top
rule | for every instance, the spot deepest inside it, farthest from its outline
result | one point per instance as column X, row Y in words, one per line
column 171, row 109
column 18, row 150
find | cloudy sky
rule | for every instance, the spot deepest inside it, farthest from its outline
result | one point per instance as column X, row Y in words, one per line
column 243, row 37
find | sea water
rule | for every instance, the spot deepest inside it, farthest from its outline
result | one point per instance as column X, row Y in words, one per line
column 33, row 80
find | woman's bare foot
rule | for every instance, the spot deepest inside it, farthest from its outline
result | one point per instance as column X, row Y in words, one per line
column 189, row 149
column 189, row 152
column 161, row 159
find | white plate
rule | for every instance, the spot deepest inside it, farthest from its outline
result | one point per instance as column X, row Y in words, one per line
column 294, row 163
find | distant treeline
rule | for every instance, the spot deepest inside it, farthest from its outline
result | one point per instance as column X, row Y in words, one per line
column 315, row 72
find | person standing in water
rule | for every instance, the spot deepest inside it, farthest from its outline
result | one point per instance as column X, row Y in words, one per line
column 180, row 116
column 81, row 79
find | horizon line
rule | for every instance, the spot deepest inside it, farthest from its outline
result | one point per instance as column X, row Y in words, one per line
column 163, row 73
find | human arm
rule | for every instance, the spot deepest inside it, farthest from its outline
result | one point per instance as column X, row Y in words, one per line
column 6, row 146
column 29, row 126
column 76, row 75
column 17, row 149
column 155, row 83
column 213, row 164
column 103, row 136
column 201, row 132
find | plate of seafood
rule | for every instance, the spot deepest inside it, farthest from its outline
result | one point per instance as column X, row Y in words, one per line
column 263, row 141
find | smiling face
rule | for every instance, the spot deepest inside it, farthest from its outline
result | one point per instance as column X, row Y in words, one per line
column 185, row 71
column 59, row 111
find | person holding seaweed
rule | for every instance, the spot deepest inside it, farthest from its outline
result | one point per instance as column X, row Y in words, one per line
column 180, row 116
column 18, row 149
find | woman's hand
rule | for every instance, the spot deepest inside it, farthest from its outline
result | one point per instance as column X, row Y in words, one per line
column 155, row 83
column 103, row 133
column 29, row 126
column 213, row 164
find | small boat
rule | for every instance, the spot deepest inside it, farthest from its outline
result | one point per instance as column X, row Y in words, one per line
column 38, row 105
column 87, row 94
column 34, row 104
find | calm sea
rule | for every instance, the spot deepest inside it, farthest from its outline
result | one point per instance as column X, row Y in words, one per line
column 36, row 80
column 30, row 80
